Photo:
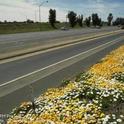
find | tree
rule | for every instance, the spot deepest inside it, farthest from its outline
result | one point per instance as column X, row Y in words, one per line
column 88, row 21
column 96, row 20
column 80, row 20
column 99, row 22
column 52, row 17
column 110, row 18
column 5, row 21
column 118, row 21
column 72, row 16
column 29, row 21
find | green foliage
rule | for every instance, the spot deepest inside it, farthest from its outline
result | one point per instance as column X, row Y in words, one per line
column 22, row 110
column 96, row 20
column 52, row 17
column 82, row 77
column 119, row 77
column 17, row 27
column 65, row 82
column 88, row 21
column 118, row 21
column 80, row 20
column 30, row 21
column 72, row 16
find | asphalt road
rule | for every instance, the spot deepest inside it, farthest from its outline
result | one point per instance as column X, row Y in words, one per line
column 12, row 70
column 15, row 69
column 11, row 42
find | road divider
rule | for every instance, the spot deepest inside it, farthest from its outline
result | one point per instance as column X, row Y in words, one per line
column 13, row 85
column 64, row 42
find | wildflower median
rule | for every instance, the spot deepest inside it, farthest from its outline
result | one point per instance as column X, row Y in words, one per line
column 95, row 97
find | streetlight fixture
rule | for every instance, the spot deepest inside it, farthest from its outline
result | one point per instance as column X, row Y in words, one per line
column 40, row 10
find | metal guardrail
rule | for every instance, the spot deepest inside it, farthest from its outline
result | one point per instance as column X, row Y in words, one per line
column 28, row 79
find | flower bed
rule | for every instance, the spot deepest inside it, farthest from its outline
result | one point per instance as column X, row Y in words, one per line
column 95, row 97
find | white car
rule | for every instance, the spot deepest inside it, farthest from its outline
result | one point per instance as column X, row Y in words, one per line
column 64, row 28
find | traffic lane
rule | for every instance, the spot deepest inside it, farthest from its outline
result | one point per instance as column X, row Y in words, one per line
column 21, row 67
column 7, row 103
column 33, row 41
column 36, row 36
column 15, row 69
column 29, row 41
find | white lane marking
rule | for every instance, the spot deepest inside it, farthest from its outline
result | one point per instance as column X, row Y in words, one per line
column 9, row 82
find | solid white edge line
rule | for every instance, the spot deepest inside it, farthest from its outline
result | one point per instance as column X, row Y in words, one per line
column 9, row 82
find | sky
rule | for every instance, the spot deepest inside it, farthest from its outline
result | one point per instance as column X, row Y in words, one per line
column 21, row 10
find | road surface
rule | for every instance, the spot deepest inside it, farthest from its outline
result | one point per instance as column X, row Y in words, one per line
column 18, row 68
column 12, row 42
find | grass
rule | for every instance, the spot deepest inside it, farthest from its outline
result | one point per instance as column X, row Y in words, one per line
column 23, row 27
column 9, row 28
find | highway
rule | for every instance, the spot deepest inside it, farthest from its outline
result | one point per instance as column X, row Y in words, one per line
column 17, row 68
column 12, row 42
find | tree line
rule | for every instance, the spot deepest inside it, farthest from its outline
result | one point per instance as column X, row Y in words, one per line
column 119, row 21
column 75, row 19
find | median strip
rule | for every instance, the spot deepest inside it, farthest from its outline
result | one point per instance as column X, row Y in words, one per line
column 29, row 51
column 25, row 80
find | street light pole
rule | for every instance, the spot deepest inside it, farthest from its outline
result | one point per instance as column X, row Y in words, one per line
column 39, row 14
column 35, row 15
column 40, row 9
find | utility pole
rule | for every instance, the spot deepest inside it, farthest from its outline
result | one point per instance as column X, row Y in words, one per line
column 35, row 15
column 26, row 19
column 40, row 9
column 39, row 14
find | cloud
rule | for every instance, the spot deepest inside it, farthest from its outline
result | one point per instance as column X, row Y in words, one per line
column 13, row 3
column 14, row 10
column 21, row 9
